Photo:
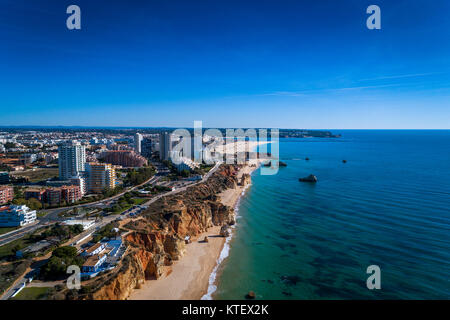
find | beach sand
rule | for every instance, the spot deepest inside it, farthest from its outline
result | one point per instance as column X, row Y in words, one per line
column 188, row 278
column 239, row 146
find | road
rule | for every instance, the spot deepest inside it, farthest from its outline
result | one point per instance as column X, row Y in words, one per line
column 53, row 214
column 205, row 177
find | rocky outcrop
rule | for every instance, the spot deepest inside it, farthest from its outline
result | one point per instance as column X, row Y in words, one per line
column 224, row 231
column 310, row 178
column 118, row 287
column 158, row 238
column 280, row 164
column 245, row 179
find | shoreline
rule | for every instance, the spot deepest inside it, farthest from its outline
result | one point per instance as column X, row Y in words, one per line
column 214, row 276
column 193, row 277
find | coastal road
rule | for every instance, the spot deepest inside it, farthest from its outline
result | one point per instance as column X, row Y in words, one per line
column 53, row 214
column 205, row 177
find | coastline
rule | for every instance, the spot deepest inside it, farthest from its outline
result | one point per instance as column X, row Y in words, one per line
column 193, row 276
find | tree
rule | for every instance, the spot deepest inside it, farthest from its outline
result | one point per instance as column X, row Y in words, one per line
column 62, row 257
column 65, row 252
column 34, row 204
column 185, row 173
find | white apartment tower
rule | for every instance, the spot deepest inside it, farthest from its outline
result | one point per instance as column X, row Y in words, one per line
column 71, row 159
column 137, row 142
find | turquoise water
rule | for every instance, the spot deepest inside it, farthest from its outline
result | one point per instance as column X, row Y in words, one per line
column 389, row 205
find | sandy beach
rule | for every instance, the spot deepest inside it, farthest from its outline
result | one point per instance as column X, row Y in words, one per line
column 232, row 148
column 188, row 278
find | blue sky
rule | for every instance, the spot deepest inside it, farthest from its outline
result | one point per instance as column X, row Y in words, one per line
column 233, row 63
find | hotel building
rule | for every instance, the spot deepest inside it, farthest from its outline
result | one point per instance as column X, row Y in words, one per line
column 124, row 158
column 71, row 159
column 100, row 176
column 16, row 216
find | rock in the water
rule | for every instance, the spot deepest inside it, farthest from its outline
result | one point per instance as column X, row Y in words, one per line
column 307, row 159
column 290, row 280
column 344, row 161
column 250, row 295
column 280, row 164
column 310, row 178
column 224, row 231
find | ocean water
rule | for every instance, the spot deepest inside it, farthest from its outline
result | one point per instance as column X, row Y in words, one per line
column 389, row 205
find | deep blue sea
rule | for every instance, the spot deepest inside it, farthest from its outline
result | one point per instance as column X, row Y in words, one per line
column 389, row 205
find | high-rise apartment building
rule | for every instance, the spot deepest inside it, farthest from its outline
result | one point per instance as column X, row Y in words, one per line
column 100, row 176
column 137, row 142
column 71, row 159
column 165, row 146
column 147, row 147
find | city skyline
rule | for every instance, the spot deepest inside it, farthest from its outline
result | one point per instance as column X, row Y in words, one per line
column 232, row 64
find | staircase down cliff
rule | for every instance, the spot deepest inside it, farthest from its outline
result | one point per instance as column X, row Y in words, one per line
column 157, row 239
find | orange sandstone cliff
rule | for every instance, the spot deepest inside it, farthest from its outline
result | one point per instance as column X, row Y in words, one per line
column 157, row 239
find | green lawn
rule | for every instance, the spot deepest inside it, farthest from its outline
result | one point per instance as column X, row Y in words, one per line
column 32, row 293
column 138, row 201
column 8, row 249
column 41, row 213
column 7, row 229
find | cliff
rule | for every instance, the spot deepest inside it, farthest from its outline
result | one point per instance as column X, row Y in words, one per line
column 157, row 239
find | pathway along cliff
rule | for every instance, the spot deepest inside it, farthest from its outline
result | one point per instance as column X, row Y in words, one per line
column 156, row 240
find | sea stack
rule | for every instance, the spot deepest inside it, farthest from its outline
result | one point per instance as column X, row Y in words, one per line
column 310, row 178
column 250, row 295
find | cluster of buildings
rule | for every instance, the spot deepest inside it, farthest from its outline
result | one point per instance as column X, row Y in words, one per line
column 184, row 153
column 54, row 196
column 102, row 256
column 124, row 156
column 90, row 177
